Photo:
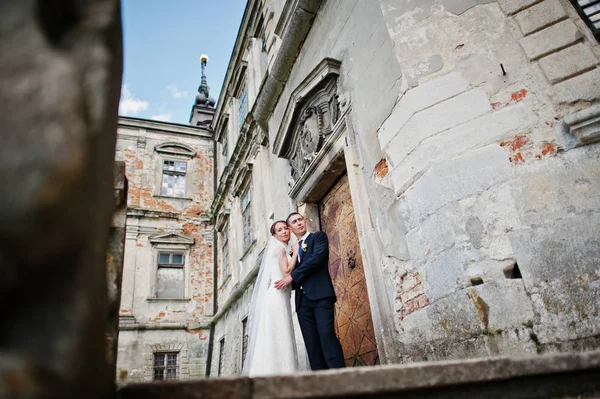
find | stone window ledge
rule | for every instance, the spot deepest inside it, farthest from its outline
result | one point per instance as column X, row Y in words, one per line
column 171, row 197
column 580, row 128
column 225, row 280
column 248, row 250
column 168, row 299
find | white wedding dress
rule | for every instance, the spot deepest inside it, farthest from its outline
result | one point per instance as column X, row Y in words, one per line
column 271, row 341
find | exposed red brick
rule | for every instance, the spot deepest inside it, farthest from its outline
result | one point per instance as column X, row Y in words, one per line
column 547, row 148
column 411, row 295
column 518, row 95
column 518, row 158
column 381, row 169
column 518, row 143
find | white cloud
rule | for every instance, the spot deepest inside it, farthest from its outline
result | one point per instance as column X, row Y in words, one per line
column 130, row 105
column 162, row 117
column 175, row 92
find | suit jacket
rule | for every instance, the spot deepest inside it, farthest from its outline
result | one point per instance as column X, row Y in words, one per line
column 312, row 271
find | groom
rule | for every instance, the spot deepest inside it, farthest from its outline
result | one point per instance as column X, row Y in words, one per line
column 315, row 297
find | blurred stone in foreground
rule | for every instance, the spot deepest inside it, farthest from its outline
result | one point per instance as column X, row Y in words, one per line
column 60, row 77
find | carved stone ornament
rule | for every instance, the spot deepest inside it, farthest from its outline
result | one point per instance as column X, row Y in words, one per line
column 241, row 179
column 171, row 238
column 175, row 149
column 312, row 113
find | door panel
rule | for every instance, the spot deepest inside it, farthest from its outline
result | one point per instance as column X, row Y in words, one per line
column 353, row 322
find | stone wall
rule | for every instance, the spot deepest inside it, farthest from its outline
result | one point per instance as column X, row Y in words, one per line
column 490, row 199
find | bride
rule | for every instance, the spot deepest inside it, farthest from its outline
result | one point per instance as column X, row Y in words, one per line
column 271, row 343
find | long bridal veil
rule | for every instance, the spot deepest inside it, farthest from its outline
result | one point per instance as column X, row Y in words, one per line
column 261, row 285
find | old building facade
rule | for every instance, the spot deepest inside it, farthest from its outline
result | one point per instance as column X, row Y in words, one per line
column 448, row 148
column 167, row 294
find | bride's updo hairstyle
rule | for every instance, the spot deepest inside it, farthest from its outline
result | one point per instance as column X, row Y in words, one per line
column 274, row 226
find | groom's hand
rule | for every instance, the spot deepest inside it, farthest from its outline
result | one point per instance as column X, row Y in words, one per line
column 284, row 282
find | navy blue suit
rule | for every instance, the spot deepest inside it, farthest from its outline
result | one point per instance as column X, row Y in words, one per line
column 315, row 299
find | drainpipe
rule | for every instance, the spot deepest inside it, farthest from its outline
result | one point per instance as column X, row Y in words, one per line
column 291, row 43
column 211, row 339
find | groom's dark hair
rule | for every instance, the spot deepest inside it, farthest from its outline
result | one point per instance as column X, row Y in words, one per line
column 287, row 220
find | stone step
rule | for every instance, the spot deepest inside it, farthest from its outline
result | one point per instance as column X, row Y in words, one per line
column 565, row 376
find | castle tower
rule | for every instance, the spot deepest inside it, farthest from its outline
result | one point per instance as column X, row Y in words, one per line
column 204, row 106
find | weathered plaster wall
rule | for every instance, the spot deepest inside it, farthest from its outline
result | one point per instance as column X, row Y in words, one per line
column 483, row 183
column 136, row 349
column 145, row 319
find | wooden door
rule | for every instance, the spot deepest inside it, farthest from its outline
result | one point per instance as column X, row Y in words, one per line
column 353, row 322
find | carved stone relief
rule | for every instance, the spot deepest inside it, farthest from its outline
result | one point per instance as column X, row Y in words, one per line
column 314, row 126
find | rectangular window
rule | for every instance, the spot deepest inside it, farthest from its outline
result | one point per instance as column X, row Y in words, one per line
column 170, row 275
column 247, row 217
column 165, row 366
column 589, row 11
column 244, row 339
column 242, row 106
column 225, row 252
column 173, row 178
column 221, row 356
column 224, row 148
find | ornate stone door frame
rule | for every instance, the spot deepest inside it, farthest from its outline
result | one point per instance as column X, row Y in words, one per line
column 310, row 132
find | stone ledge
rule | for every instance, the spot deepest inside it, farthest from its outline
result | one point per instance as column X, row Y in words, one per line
column 580, row 128
column 568, row 62
column 564, row 375
column 585, row 87
column 549, row 40
column 540, row 15
column 511, row 7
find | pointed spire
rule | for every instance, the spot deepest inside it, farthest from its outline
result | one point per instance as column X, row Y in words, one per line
column 203, row 97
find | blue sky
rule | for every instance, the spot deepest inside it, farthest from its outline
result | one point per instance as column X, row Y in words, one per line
column 163, row 41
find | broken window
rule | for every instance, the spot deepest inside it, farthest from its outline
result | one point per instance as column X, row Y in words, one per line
column 170, row 275
column 173, row 178
column 165, row 366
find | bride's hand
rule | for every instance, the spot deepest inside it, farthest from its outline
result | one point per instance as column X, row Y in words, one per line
column 295, row 248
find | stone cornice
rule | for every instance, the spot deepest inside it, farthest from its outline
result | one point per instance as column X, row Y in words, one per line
column 168, row 148
column 165, row 127
column 171, row 238
column 148, row 213
column 580, row 128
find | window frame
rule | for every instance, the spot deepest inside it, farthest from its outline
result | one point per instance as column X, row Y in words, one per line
column 225, row 254
column 221, row 357
column 174, row 172
column 178, row 248
column 247, row 229
column 242, row 101
column 245, row 338
column 165, row 366
column 172, row 152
